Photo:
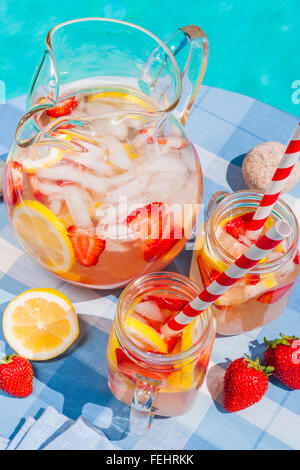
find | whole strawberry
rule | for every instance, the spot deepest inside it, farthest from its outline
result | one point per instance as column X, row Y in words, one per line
column 284, row 355
column 245, row 383
column 16, row 376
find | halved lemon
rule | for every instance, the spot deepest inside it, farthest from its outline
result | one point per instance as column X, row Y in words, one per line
column 144, row 335
column 40, row 324
column 43, row 235
column 41, row 157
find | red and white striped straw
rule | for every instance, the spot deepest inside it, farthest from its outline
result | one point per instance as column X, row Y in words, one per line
column 276, row 185
column 230, row 276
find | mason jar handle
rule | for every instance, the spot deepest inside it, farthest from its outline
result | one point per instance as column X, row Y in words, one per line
column 214, row 201
column 193, row 68
column 142, row 412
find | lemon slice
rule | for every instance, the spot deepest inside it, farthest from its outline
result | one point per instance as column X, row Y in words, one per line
column 68, row 135
column 66, row 220
column 131, row 154
column 212, row 262
column 40, row 324
column 187, row 371
column 111, row 351
column 120, row 95
column 144, row 334
column 43, row 235
column 41, row 157
column 184, row 378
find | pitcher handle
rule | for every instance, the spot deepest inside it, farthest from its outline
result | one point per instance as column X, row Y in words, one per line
column 142, row 412
column 27, row 120
column 193, row 68
column 189, row 46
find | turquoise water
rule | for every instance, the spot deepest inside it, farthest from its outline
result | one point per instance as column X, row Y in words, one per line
column 254, row 45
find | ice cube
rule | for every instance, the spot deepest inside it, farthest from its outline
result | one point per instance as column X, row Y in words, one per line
column 229, row 243
column 140, row 141
column 159, row 163
column 118, row 231
column 55, row 203
column 97, row 165
column 149, row 310
column 187, row 194
column 176, row 141
column 75, row 200
column 162, row 186
column 189, row 158
column 121, row 178
column 98, row 108
column 240, row 293
column 95, row 151
column 245, row 240
column 131, row 189
column 74, row 175
column 117, row 154
column 114, row 127
column 112, row 213
column 135, row 123
column 47, row 188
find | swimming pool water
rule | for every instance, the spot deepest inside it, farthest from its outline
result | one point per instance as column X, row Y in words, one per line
column 253, row 45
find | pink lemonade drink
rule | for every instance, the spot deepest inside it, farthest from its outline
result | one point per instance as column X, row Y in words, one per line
column 112, row 198
column 262, row 295
column 142, row 362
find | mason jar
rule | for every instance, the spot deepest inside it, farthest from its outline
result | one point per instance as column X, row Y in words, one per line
column 262, row 295
column 151, row 382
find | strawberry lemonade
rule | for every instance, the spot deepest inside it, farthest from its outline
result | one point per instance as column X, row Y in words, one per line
column 141, row 358
column 262, row 295
column 107, row 191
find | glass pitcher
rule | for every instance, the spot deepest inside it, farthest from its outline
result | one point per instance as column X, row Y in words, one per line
column 102, row 184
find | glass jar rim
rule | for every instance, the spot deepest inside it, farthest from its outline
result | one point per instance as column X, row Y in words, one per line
column 156, row 359
column 280, row 204
column 160, row 43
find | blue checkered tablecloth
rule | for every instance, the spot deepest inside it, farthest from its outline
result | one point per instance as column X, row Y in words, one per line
column 224, row 126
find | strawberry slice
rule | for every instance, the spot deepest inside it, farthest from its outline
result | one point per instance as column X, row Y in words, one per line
column 174, row 304
column 274, row 295
column 150, row 223
column 238, row 225
column 147, row 220
column 39, row 196
column 297, row 258
column 155, row 249
column 174, row 141
column 87, row 246
column 252, row 279
column 13, row 183
column 171, row 341
column 62, row 108
column 127, row 366
column 159, row 140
